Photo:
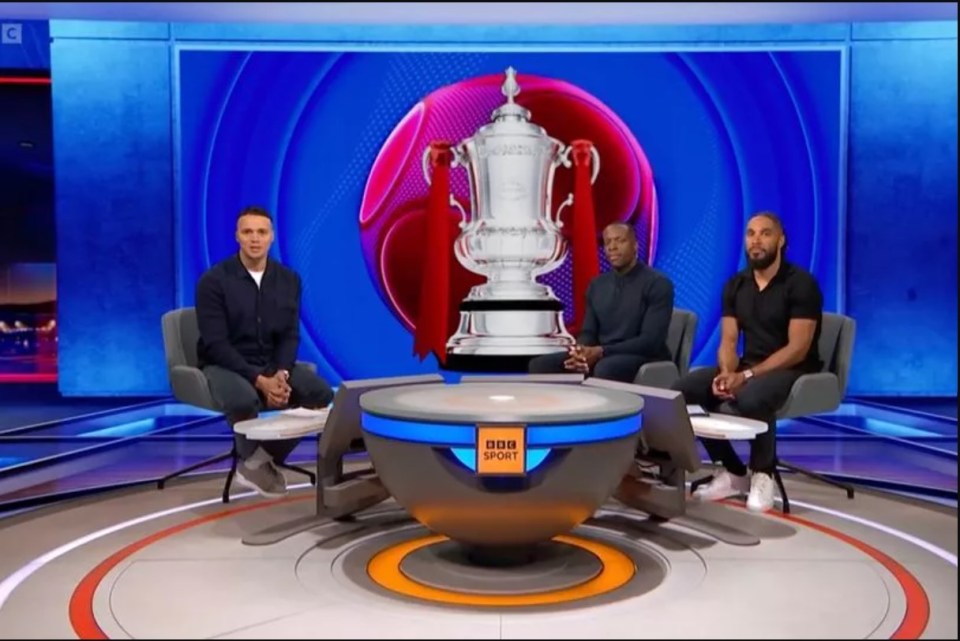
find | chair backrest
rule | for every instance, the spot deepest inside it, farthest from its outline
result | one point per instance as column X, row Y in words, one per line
column 836, row 346
column 683, row 328
column 180, row 336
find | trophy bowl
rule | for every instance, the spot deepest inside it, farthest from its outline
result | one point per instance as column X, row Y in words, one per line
column 510, row 257
column 510, row 236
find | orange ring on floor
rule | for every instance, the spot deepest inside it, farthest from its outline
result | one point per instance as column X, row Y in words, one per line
column 617, row 570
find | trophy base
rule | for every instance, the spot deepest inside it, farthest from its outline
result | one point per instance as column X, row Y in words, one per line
column 503, row 335
column 480, row 364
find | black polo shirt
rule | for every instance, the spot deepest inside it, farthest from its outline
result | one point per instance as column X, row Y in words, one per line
column 764, row 316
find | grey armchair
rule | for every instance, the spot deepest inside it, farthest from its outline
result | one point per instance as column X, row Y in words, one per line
column 190, row 386
column 815, row 393
column 663, row 374
column 823, row 391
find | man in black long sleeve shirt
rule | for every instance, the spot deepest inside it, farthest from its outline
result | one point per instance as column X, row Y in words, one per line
column 627, row 316
column 248, row 314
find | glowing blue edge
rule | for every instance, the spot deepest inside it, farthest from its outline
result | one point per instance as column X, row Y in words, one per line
column 465, row 435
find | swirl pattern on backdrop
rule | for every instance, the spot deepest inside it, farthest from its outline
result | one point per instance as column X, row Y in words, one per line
column 330, row 142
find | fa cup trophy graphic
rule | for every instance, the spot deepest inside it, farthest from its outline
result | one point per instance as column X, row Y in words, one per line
column 511, row 235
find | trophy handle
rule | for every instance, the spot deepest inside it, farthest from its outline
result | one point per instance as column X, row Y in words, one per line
column 464, row 219
column 425, row 162
column 564, row 159
column 566, row 203
column 596, row 164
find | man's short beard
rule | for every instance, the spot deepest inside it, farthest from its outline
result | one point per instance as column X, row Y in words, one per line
column 764, row 262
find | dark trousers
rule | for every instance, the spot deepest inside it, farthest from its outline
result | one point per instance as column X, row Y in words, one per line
column 241, row 401
column 760, row 398
column 619, row 367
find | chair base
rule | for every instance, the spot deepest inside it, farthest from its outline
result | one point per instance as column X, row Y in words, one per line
column 294, row 468
column 196, row 466
column 232, row 455
column 818, row 477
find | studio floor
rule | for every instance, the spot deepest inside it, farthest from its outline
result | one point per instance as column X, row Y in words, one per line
column 90, row 548
column 141, row 563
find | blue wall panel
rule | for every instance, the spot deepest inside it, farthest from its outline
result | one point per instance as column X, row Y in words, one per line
column 115, row 167
column 904, row 30
column 524, row 36
column 112, row 30
column 902, row 225
column 24, row 44
column 111, row 105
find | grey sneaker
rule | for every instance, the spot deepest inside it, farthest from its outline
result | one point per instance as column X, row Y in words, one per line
column 265, row 480
column 279, row 480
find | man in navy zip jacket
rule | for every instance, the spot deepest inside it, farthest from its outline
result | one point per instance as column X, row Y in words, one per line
column 248, row 313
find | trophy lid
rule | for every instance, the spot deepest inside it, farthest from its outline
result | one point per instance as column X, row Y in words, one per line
column 511, row 112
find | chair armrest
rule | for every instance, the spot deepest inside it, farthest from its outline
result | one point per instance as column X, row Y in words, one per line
column 310, row 366
column 812, row 394
column 190, row 386
column 662, row 374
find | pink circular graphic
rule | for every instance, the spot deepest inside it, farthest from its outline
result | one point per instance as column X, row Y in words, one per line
column 394, row 201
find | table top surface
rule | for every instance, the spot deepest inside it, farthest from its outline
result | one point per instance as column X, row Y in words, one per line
column 726, row 426
column 285, row 424
column 540, row 403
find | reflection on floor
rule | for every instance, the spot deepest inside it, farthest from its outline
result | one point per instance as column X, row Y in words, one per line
column 71, row 445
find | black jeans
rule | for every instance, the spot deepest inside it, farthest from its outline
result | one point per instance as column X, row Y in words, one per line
column 619, row 367
column 760, row 398
column 241, row 401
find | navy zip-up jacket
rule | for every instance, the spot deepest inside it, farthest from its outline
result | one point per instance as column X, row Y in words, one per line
column 246, row 329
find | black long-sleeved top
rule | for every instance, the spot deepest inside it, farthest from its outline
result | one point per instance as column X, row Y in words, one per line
column 247, row 329
column 629, row 313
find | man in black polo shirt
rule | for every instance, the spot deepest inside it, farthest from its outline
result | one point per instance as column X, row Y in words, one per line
column 778, row 309
column 248, row 312
column 627, row 316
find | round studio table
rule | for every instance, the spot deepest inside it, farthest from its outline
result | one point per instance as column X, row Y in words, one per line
column 501, row 466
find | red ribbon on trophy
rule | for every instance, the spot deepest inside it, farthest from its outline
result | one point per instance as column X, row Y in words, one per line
column 432, row 324
column 586, row 262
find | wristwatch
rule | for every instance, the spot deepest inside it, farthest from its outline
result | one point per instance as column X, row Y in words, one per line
column 747, row 374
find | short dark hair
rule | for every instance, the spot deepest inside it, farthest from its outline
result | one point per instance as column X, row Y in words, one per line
column 631, row 232
column 254, row 210
column 772, row 217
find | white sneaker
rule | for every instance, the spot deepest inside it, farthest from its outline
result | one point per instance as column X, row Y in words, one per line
column 762, row 492
column 723, row 486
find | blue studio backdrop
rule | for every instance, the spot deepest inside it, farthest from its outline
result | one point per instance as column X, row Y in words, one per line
column 725, row 134
column 847, row 131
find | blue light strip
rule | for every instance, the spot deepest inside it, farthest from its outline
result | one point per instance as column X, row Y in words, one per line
column 468, row 456
column 465, row 435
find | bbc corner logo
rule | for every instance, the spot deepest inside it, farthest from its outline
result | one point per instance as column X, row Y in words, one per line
column 11, row 33
column 501, row 450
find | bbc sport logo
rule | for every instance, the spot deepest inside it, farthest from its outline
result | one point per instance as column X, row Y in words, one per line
column 501, row 450
column 11, row 34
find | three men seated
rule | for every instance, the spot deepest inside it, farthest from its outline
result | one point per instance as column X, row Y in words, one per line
column 248, row 312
